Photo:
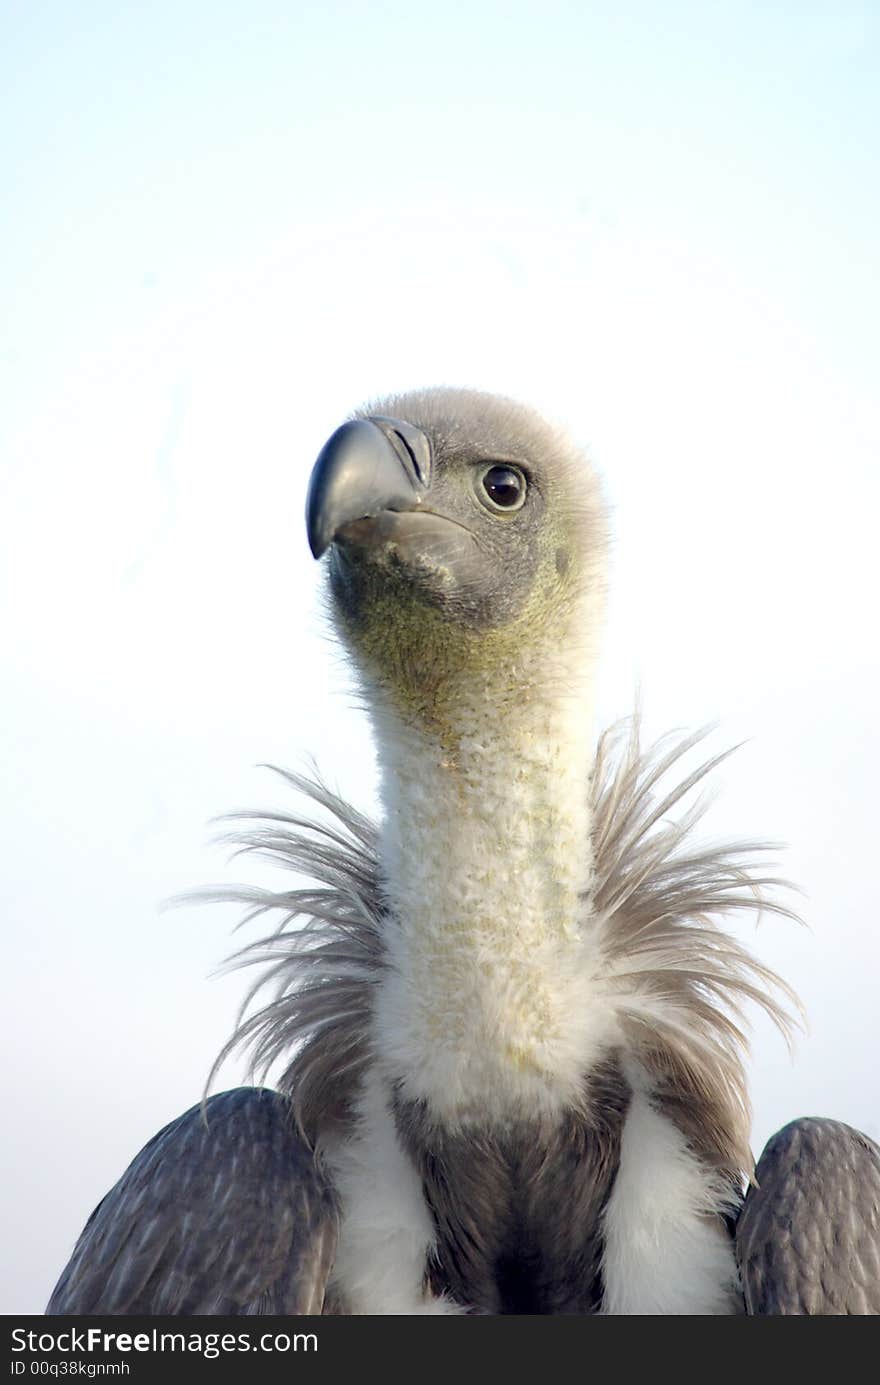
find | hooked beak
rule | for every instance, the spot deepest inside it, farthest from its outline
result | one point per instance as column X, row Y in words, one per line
column 368, row 466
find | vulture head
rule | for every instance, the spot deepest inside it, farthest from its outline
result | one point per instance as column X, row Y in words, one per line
column 467, row 542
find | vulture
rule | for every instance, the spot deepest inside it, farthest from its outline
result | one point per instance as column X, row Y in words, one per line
column 509, row 1018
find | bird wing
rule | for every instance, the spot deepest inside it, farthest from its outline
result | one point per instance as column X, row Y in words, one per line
column 808, row 1237
column 223, row 1212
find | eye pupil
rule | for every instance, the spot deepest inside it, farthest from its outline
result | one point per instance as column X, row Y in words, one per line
column 505, row 486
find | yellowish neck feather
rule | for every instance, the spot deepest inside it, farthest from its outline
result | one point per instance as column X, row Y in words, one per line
column 487, row 836
column 486, row 855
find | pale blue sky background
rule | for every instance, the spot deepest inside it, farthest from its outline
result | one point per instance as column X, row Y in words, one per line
column 226, row 225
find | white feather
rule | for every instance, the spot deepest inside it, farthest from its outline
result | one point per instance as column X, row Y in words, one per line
column 665, row 1250
column 385, row 1232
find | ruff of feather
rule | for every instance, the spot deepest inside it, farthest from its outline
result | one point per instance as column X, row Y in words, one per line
column 679, row 982
column 682, row 983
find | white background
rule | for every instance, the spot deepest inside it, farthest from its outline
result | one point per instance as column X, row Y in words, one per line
column 225, row 226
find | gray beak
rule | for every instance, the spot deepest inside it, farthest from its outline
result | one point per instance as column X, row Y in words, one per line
column 367, row 466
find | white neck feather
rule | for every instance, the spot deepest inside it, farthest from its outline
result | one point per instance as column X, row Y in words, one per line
column 490, row 1000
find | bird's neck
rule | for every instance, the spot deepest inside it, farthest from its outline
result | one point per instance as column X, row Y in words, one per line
column 486, row 858
column 490, row 831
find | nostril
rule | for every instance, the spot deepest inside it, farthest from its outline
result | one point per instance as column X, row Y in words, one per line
column 412, row 456
column 410, row 444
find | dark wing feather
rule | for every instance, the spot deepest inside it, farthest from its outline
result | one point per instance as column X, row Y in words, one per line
column 808, row 1237
column 228, row 1217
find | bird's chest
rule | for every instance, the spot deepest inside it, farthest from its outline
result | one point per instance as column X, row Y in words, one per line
column 517, row 1211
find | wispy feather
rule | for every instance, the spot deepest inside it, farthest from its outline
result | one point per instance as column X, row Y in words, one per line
column 679, row 982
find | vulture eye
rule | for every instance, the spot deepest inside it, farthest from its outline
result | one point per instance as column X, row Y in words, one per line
column 503, row 486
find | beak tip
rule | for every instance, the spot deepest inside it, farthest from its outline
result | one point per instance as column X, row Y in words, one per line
column 317, row 543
